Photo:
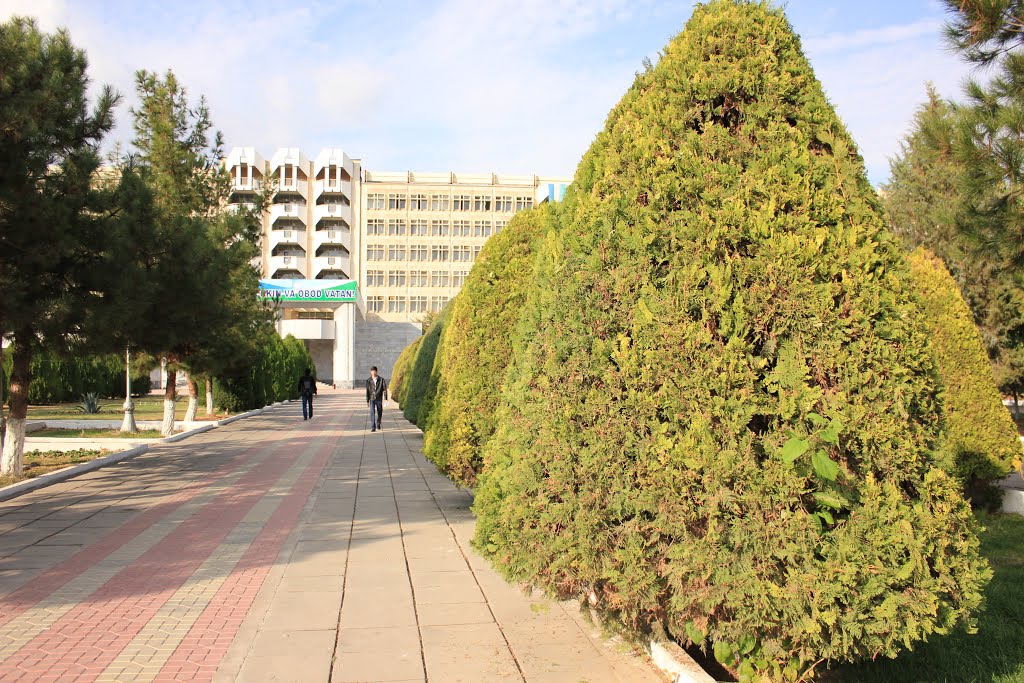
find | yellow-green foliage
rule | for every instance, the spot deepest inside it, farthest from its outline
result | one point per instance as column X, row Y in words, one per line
column 723, row 411
column 477, row 347
column 980, row 434
column 399, row 388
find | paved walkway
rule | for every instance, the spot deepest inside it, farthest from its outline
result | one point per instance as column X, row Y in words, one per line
column 274, row 549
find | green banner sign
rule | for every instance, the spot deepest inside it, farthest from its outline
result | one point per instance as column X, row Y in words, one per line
column 309, row 291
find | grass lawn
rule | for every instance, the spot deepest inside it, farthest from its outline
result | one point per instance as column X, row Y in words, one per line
column 995, row 654
column 97, row 434
column 39, row 462
column 146, row 408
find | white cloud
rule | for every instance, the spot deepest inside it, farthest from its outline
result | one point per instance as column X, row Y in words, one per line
column 886, row 35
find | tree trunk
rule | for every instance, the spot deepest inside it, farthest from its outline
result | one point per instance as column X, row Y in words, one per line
column 169, row 395
column 21, row 375
column 193, row 400
column 209, row 396
column 1016, row 405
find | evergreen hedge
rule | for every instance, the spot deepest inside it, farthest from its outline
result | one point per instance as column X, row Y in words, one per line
column 477, row 346
column 399, row 387
column 422, row 378
column 980, row 434
column 723, row 415
column 60, row 379
column 271, row 375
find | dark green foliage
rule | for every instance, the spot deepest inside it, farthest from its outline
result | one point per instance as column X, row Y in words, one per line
column 476, row 348
column 271, row 375
column 56, row 379
column 979, row 432
column 421, row 377
column 399, row 387
column 723, row 414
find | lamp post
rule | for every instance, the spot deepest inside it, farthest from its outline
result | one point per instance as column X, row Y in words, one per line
column 128, row 425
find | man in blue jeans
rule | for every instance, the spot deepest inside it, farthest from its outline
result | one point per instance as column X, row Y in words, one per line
column 307, row 390
column 376, row 394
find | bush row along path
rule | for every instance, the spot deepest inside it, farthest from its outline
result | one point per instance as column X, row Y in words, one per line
column 276, row 549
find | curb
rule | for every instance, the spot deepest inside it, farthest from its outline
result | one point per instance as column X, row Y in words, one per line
column 43, row 480
column 57, row 476
column 679, row 666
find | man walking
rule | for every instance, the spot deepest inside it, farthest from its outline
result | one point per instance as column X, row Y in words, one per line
column 307, row 390
column 376, row 394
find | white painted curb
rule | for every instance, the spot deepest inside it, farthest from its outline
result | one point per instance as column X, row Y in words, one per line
column 674, row 661
column 8, row 492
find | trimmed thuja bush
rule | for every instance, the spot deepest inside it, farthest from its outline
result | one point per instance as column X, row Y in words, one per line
column 422, row 381
column 723, row 413
column 399, row 387
column 980, row 435
column 477, row 345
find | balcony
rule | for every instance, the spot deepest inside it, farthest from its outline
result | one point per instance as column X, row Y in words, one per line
column 289, row 211
column 333, row 212
column 308, row 329
column 333, row 187
column 288, row 262
column 339, row 237
column 331, row 261
column 293, row 186
column 285, row 237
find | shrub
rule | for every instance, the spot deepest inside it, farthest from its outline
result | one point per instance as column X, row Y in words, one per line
column 475, row 350
column 722, row 414
column 399, row 388
column 422, row 380
column 63, row 379
column 271, row 375
column 980, row 434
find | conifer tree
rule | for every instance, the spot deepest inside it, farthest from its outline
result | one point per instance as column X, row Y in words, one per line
column 723, row 416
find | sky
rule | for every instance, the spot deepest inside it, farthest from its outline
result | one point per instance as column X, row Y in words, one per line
column 506, row 86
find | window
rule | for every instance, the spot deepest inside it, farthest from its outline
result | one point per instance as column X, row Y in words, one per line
column 375, row 226
column 374, row 252
column 459, row 278
column 375, row 304
column 524, row 203
column 396, row 253
column 418, row 202
column 439, row 278
column 396, row 201
column 481, row 203
column 375, row 200
column 439, row 228
column 396, row 278
column 476, row 252
column 439, row 202
column 418, row 278
column 499, row 226
column 396, row 226
column 439, row 252
column 438, row 302
column 461, row 202
column 417, row 304
column 482, row 228
column 461, row 254
column 396, row 304
column 418, row 227
column 375, row 278
column 419, row 252
column 503, row 203
column 460, row 228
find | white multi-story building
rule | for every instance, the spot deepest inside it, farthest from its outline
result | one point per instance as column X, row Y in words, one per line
column 407, row 239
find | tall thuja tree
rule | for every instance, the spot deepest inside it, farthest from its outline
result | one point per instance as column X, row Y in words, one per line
column 51, row 215
column 723, row 416
column 929, row 208
column 190, row 187
column 990, row 33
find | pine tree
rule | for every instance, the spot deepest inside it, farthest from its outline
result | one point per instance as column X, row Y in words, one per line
column 723, row 414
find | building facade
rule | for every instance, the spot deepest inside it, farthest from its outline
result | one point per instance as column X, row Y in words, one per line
column 408, row 239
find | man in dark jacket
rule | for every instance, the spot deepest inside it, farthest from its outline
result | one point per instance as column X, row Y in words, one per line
column 307, row 390
column 376, row 394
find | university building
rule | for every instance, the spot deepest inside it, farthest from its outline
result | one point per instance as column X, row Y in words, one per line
column 406, row 239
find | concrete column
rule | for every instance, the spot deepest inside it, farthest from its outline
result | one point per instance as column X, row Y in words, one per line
column 344, row 353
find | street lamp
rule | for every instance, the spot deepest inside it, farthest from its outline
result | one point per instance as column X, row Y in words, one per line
column 128, row 425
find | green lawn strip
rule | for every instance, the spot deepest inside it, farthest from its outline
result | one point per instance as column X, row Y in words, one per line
column 41, row 462
column 96, row 434
column 995, row 654
column 112, row 409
